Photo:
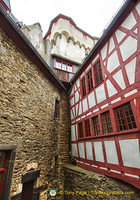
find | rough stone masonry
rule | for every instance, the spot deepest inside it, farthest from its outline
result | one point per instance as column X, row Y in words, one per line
column 27, row 103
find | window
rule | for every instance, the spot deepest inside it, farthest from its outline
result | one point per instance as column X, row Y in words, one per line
column 57, row 109
column 96, row 126
column 83, row 85
column 125, row 117
column 80, row 130
column 89, row 81
column 58, row 64
column 69, row 68
column 98, row 73
column 106, row 122
column 87, row 128
column 2, row 166
column 63, row 65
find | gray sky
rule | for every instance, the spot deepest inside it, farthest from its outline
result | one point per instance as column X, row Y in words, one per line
column 90, row 15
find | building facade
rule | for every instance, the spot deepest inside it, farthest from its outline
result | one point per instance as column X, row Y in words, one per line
column 105, row 102
column 35, row 101
column 33, row 115
column 64, row 47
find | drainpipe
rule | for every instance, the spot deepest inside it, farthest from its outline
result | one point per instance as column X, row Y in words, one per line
column 72, row 159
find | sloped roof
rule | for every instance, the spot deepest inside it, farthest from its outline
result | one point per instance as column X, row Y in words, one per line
column 117, row 20
column 61, row 16
column 6, row 4
column 22, row 42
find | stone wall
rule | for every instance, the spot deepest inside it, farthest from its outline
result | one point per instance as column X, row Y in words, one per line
column 27, row 103
column 81, row 184
column 35, row 34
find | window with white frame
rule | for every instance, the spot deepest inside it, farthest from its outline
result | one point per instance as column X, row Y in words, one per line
column 63, row 65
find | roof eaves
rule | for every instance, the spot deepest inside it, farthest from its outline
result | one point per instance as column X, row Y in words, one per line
column 73, row 23
column 102, row 38
column 22, row 39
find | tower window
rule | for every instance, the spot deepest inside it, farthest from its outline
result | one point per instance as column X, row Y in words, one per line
column 64, row 65
column 69, row 68
column 58, row 64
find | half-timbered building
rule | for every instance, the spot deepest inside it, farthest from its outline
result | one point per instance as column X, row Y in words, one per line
column 105, row 101
column 101, row 94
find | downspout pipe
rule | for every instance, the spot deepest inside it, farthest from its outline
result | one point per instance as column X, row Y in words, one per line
column 71, row 158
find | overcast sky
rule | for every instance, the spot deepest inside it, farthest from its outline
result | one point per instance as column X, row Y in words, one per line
column 90, row 15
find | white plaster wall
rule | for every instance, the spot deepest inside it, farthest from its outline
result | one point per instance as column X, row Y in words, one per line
column 76, row 129
column 120, row 35
column 89, row 151
column 130, row 93
column 85, row 106
column 76, row 97
column 80, row 108
column 138, row 8
column 78, row 83
column 73, row 138
column 130, row 152
column 81, row 150
column 136, row 30
column 98, row 151
column 128, row 47
column 111, row 152
column 74, row 150
column 113, row 62
column 111, row 89
column 111, row 44
column 130, row 70
column 100, row 93
column 129, row 22
column 104, row 52
column 77, row 109
column 119, row 79
column 91, row 100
